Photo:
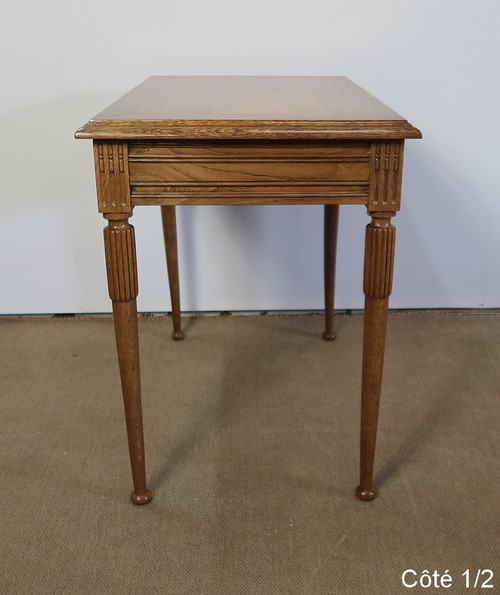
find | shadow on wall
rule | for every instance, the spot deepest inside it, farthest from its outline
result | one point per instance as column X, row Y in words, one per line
column 51, row 249
column 43, row 161
column 252, row 257
column 446, row 237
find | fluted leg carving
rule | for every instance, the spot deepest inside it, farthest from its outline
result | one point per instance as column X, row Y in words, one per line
column 121, row 266
column 170, row 236
column 119, row 243
column 379, row 263
column 330, row 257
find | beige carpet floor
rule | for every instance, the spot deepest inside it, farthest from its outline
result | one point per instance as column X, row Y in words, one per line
column 252, row 452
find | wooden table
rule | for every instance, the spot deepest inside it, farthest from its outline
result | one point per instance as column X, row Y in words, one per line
column 248, row 140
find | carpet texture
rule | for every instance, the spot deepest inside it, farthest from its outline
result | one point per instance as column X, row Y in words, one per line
column 252, row 433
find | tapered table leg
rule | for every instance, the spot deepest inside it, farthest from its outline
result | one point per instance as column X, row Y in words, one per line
column 170, row 237
column 379, row 262
column 330, row 257
column 119, row 242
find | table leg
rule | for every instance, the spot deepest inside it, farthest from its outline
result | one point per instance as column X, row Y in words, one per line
column 121, row 266
column 330, row 257
column 170, row 237
column 379, row 261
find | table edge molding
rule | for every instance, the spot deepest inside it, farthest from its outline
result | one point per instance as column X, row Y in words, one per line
column 247, row 129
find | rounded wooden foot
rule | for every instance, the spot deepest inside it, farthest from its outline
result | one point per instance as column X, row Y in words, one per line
column 328, row 336
column 177, row 335
column 365, row 495
column 140, row 499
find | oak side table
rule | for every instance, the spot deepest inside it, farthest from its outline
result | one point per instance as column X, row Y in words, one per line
column 254, row 141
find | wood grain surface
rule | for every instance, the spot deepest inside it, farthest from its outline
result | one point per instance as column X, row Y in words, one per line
column 247, row 107
column 249, row 172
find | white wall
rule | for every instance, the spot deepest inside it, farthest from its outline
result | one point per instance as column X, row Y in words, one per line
column 433, row 61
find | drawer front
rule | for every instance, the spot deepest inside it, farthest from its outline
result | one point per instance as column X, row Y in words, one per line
column 249, row 173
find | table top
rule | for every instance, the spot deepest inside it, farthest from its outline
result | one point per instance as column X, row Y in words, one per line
column 248, row 107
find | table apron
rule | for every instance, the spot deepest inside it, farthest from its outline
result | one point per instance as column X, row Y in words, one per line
column 249, row 173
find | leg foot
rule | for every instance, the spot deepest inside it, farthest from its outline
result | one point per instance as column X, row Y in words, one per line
column 140, row 499
column 328, row 336
column 177, row 335
column 365, row 495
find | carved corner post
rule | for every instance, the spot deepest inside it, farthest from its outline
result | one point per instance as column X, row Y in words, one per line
column 330, row 257
column 384, row 201
column 113, row 194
